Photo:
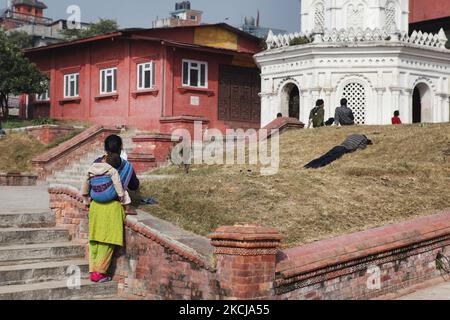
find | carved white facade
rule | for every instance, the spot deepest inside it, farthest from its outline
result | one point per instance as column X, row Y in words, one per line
column 360, row 50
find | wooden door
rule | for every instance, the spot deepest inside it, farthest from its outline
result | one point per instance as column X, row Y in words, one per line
column 238, row 94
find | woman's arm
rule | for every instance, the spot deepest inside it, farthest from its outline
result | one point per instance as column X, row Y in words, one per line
column 134, row 182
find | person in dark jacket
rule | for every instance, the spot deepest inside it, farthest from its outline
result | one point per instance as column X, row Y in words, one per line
column 344, row 115
column 352, row 143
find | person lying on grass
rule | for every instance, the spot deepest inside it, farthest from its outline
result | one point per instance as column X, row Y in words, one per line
column 352, row 143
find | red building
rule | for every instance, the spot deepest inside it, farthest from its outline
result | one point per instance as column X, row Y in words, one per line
column 423, row 10
column 154, row 79
column 23, row 12
column 430, row 16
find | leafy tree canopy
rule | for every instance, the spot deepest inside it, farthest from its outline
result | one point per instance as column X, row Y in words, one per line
column 21, row 39
column 101, row 27
column 17, row 74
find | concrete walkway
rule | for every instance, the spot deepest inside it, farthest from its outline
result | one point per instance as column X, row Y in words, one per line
column 33, row 199
column 438, row 292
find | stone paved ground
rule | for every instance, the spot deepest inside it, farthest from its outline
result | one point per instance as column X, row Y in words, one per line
column 36, row 257
column 20, row 199
column 437, row 292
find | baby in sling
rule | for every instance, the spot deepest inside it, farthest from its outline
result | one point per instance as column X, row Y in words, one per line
column 108, row 180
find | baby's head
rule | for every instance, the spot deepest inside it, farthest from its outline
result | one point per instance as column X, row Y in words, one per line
column 113, row 159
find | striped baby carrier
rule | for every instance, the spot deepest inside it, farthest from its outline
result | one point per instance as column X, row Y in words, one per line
column 102, row 187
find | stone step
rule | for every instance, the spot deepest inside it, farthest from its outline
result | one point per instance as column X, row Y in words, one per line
column 58, row 290
column 11, row 236
column 26, row 220
column 63, row 250
column 41, row 271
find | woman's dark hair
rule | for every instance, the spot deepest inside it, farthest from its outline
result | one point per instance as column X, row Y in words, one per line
column 319, row 102
column 113, row 144
column 396, row 113
column 344, row 102
column 114, row 160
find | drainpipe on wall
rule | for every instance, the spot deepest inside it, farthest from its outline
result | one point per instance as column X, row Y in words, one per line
column 163, row 78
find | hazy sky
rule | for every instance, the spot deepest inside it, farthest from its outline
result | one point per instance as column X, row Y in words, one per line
column 280, row 14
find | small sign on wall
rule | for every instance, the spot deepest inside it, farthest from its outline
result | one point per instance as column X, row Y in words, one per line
column 195, row 101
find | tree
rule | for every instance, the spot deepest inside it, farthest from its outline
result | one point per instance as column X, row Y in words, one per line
column 17, row 74
column 101, row 27
column 21, row 39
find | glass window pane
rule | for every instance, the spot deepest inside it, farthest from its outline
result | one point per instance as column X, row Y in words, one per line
column 194, row 78
column 186, row 73
column 153, row 74
column 66, row 86
column 148, row 79
column 103, row 78
column 203, row 75
column 77, row 78
column 109, row 84
column 114, row 80
column 72, row 88
column 140, row 77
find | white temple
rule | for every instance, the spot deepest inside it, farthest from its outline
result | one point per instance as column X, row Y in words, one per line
column 361, row 50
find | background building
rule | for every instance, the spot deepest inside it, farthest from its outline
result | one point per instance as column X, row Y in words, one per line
column 28, row 16
column 252, row 26
column 182, row 16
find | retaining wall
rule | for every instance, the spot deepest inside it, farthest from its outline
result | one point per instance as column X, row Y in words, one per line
column 161, row 261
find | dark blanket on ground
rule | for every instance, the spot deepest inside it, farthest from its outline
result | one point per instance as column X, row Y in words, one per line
column 351, row 144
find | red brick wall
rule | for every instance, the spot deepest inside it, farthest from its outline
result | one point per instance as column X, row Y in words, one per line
column 71, row 150
column 48, row 134
column 338, row 268
column 421, row 10
column 247, row 262
column 151, row 268
column 17, row 179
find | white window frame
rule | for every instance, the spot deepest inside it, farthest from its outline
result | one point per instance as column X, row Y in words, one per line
column 108, row 72
column 46, row 95
column 68, row 79
column 198, row 68
column 146, row 66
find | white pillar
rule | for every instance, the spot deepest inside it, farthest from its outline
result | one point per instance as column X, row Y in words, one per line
column 380, row 113
column 405, row 105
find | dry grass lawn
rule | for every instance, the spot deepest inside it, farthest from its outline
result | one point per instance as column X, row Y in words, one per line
column 16, row 152
column 405, row 174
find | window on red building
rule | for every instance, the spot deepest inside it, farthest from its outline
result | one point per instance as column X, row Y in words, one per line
column 45, row 96
column 71, row 85
column 195, row 74
column 108, row 80
column 146, row 76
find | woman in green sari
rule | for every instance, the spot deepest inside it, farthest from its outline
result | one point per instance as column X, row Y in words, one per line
column 106, row 222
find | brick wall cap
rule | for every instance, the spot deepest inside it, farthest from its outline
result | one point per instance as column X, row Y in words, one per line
column 347, row 248
column 183, row 119
column 155, row 137
column 49, row 126
column 246, row 233
column 67, row 146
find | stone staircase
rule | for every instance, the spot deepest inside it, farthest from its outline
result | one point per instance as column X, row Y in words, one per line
column 36, row 259
column 74, row 173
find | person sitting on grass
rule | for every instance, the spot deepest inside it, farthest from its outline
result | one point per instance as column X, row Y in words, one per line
column 396, row 118
column 352, row 143
column 2, row 132
column 344, row 115
column 317, row 115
